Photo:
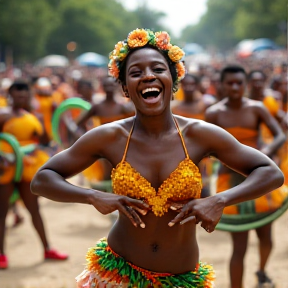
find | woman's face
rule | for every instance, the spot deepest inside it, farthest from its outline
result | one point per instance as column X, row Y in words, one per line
column 148, row 81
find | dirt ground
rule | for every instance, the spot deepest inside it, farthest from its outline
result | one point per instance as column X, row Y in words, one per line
column 73, row 228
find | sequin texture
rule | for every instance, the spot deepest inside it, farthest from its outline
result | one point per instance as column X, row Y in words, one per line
column 182, row 184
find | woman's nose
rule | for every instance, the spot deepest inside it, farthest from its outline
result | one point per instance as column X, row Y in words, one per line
column 148, row 76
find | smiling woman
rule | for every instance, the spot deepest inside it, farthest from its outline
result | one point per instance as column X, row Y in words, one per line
column 156, row 180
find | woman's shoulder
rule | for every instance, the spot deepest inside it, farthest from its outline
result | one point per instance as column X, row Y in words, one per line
column 112, row 129
column 192, row 125
column 200, row 129
column 105, row 138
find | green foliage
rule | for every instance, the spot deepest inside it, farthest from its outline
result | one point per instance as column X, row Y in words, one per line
column 25, row 26
column 35, row 28
column 216, row 27
column 226, row 22
column 262, row 19
column 149, row 18
column 91, row 24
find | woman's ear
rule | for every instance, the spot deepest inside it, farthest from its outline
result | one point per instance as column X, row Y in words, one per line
column 125, row 90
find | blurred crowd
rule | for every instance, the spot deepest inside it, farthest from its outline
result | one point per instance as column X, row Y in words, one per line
column 51, row 86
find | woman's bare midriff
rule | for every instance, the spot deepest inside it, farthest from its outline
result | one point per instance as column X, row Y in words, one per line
column 157, row 247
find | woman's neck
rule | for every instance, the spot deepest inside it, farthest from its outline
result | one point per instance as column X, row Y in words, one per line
column 156, row 125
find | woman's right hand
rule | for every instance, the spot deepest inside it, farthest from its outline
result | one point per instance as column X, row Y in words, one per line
column 106, row 203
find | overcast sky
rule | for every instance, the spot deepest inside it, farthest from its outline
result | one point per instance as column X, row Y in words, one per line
column 180, row 13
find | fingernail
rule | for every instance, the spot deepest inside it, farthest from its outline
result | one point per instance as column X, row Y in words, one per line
column 171, row 224
column 173, row 208
column 143, row 212
column 142, row 225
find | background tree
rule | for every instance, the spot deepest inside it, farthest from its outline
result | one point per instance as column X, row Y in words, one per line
column 227, row 22
column 258, row 19
column 148, row 18
column 24, row 27
column 94, row 25
column 216, row 26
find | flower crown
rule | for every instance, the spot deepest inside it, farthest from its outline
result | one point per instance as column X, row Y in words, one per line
column 139, row 38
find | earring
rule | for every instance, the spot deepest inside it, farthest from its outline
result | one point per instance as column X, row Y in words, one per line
column 126, row 94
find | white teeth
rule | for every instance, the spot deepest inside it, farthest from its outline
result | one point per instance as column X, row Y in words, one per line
column 149, row 90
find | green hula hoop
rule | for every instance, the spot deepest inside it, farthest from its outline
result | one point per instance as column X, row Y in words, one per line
column 28, row 148
column 14, row 197
column 63, row 107
column 231, row 223
column 13, row 142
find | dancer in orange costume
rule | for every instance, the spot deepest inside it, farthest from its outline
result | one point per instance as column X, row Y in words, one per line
column 241, row 117
column 13, row 123
column 257, row 81
column 44, row 104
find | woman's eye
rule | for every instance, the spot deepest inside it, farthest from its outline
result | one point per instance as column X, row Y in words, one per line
column 159, row 70
column 135, row 74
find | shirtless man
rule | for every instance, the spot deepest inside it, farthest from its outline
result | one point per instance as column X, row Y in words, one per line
column 242, row 118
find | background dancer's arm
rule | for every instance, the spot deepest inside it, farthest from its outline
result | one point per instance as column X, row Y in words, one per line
column 279, row 137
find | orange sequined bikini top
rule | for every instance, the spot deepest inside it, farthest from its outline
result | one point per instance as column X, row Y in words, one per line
column 183, row 183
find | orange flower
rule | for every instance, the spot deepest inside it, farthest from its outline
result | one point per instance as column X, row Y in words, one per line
column 137, row 38
column 180, row 70
column 116, row 50
column 163, row 40
column 120, row 51
column 175, row 53
column 113, row 69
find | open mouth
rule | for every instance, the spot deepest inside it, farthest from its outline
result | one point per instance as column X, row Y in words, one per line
column 150, row 93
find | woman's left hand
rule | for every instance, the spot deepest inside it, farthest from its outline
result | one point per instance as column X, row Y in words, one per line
column 206, row 211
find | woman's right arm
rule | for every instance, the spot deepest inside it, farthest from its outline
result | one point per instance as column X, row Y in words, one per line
column 50, row 180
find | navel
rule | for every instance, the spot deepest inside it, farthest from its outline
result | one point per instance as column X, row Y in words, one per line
column 154, row 247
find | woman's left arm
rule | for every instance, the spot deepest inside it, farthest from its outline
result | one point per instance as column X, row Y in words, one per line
column 262, row 176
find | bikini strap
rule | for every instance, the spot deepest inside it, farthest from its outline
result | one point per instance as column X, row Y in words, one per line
column 128, row 141
column 130, row 134
column 182, row 139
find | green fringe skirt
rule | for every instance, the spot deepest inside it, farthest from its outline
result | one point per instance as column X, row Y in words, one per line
column 106, row 269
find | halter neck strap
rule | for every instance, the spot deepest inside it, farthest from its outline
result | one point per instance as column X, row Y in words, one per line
column 130, row 134
column 128, row 141
column 181, row 137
